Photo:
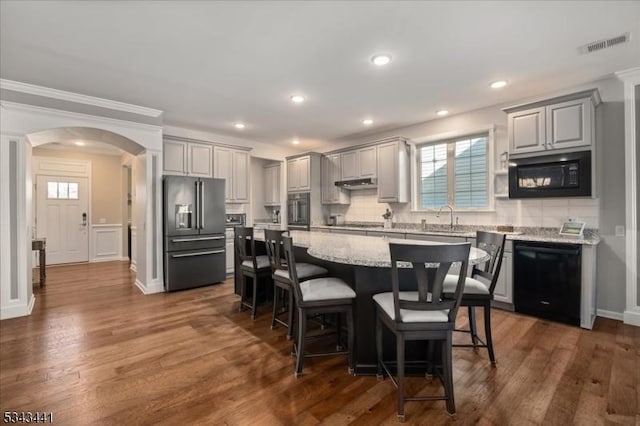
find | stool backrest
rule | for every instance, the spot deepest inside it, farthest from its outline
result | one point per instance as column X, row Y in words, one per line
column 493, row 243
column 429, row 279
column 290, row 266
column 243, row 237
column 275, row 252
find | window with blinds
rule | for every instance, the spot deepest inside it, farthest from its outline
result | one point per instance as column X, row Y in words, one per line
column 454, row 172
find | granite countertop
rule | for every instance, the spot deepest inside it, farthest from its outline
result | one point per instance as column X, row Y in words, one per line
column 551, row 235
column 359, row 250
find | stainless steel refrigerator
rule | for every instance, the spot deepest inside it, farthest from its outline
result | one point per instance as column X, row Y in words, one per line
column 194, row 232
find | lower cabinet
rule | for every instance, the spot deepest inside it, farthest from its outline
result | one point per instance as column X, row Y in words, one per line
column 229, row 260
column 503, row 291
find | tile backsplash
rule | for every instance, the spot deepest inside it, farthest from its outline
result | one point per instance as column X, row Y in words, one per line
column 550, row 213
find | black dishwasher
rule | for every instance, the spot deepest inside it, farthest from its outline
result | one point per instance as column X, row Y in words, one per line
column 547, row 280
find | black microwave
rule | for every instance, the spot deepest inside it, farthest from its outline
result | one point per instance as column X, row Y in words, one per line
column 557, row 175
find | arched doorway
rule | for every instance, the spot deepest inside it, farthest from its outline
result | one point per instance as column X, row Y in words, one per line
column 25, row 127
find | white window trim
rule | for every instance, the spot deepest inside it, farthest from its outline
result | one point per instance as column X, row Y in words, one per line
column 447, row 136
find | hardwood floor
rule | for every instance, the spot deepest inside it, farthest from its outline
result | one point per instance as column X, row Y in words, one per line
column 97, row 351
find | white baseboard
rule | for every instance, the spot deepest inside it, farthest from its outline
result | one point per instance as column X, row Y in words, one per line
column 632, row 316
column 133, row 267
column 610, row 314
column 109, row 259
column 153, row 287
column 17, row 310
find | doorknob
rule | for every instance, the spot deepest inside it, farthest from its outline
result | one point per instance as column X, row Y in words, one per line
column 84, row 219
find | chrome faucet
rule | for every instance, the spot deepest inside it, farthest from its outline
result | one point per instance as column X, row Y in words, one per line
column 448, row 206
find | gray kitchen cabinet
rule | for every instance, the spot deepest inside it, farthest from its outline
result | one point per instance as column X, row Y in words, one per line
column 437, row 238
column 349, row 165
column 233, row 166
column 240, row 176
column 359, row 163
column 330, row 173
column 187, row 159
column 272, row 185
column 393, row 172
column 503, row 291
column 229, row 259
column 390, row 235
column 299, row 174
column 349, row 232
column 367, row 162
column 562, row 123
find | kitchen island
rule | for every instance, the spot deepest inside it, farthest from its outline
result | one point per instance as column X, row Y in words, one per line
column 365, row 264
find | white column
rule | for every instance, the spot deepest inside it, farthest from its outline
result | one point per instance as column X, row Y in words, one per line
column 16, row 294
column 631, row 79
column 149, row 222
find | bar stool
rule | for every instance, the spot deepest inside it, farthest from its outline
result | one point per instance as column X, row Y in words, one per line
column 316, row 297
column 282, row 280
column 251, row 266
column 479, row 293
column 422, row 314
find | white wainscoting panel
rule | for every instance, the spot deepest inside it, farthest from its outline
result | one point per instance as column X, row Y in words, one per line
column 106, row 242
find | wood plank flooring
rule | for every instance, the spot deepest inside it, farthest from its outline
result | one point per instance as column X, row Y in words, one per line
column 97, row 351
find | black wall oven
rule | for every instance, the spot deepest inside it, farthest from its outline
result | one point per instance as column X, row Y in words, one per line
column 557, row 175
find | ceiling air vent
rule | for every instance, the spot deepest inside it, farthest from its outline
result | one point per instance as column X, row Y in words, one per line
column 604, row 44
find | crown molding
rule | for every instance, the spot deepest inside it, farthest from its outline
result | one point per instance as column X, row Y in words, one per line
column 632, row 74
column 14, row 106
column 62, row 95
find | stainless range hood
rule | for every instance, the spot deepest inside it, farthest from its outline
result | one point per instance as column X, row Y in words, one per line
column 353, row 184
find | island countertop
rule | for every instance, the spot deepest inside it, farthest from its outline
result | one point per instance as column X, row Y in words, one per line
column 359, row 250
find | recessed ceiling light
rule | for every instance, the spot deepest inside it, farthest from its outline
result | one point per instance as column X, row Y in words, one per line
column 295, row 141
column 367, row 121
column 239, row 125
column 498, row 84
column 442, row 112
column 380, row 60
column 298, row 99
column 79, row 143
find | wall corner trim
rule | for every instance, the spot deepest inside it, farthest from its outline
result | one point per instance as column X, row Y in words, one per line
column 632, row 316
column 151, row 288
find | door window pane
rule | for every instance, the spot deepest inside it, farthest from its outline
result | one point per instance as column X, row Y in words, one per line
column 52, row 190
column 73, row 191
column 63, row 190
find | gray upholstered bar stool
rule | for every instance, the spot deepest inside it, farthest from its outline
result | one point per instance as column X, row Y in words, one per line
column 479, row 287
column 423, row 314
column 282, row 280
column 255, row 267
column 317, row 297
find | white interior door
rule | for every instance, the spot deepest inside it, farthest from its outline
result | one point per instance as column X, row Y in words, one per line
column 62, row 217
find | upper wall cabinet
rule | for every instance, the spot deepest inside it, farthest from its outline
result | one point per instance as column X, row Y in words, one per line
column 187, row 159
column 360, row 163
column 233, row 166
column 331, row 194
column 562, row 123
column 272, row 185
column 393, row 172
column 299, row 174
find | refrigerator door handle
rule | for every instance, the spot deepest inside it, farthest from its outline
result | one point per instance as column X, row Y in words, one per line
column 201, row 205
column 201, row 253
column 186, row 240
column 197, row 207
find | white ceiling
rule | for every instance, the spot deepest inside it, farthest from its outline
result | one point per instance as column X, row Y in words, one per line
column 210, row 64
